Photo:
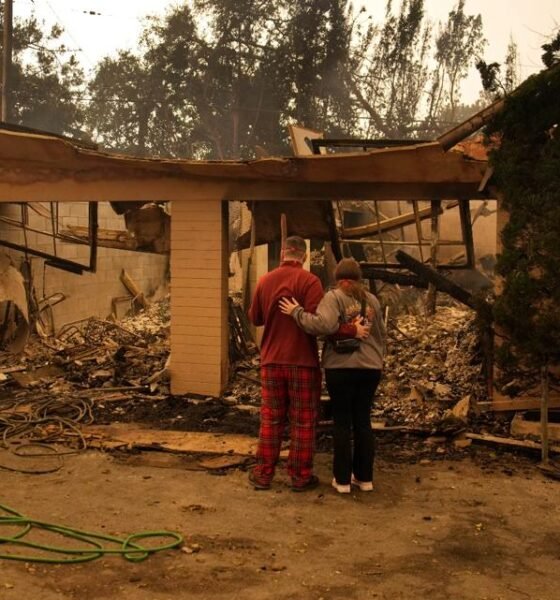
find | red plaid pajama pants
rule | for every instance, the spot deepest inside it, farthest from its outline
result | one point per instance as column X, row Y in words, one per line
column 293, row 392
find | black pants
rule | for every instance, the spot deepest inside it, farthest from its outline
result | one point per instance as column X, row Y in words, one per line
column 351, row 392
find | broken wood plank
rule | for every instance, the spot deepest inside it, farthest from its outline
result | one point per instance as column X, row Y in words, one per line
column 520, row 426
column 161, row 374
column 552, row 471
column 377, row 426
column 16, row 369
column 505, row 403
column 393, row 222
column 115, row 302
column 106, row 238
column 132, row 435
column 509, row 442
column 133, row 288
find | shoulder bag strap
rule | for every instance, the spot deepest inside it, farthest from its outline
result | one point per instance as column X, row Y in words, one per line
column 363, row 308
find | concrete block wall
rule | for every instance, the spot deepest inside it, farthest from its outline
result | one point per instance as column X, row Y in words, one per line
column 89, row 294
column 199, row 289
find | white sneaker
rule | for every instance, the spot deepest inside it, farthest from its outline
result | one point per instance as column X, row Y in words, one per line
column 341, row 489
column 365, row 486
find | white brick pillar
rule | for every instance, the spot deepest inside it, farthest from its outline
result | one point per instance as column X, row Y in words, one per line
column 199, row 288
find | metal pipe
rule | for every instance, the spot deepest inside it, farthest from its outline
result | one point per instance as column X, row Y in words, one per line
column 52, row 260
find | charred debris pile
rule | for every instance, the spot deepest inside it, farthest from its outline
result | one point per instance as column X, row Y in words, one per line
column 432, row 382
column 95, row 357
column 433, row 369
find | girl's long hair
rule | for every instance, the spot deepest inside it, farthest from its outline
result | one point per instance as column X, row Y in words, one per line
column 349, row 277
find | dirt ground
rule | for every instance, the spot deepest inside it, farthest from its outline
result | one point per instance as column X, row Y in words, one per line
column 441, row 530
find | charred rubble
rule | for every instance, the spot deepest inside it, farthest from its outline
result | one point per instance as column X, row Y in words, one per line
column 432, row 384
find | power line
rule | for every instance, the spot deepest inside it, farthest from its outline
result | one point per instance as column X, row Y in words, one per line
column 68, row 32
column 226, row 108
column 96, row 13
column 91, row 12
column 87, row 12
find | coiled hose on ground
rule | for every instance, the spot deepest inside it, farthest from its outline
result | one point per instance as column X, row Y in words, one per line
column 22, row 528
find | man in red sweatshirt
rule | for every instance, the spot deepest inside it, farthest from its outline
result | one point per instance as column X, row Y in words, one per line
column 290, row 374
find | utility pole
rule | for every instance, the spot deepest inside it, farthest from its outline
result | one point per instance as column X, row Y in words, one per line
column 7, row 59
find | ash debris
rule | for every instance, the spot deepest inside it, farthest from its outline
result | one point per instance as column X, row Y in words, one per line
column 432, row 380
column 95, row 355
column 432, row 365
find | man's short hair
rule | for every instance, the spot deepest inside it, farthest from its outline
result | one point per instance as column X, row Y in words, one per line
column 295, row 247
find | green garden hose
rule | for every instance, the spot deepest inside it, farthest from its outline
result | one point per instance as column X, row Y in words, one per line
column 129, row 547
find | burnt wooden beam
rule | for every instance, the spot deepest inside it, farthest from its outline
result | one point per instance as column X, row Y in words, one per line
column 392, row 223
column 333, row 232
column 373, row 273
column 495, row 440
column 443, row 284
column 463, row 130
column 107, row 238
column 466, row 226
